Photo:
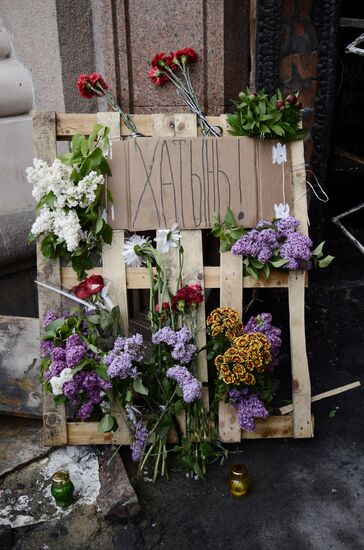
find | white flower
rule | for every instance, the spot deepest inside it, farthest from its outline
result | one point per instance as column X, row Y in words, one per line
column 168, row 238
column 133, row 250
column 281, row 210
column 67, row 227
column 57, row 381
column 44, row 222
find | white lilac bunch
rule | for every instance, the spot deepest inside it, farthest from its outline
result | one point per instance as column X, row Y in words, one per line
column 70, row 201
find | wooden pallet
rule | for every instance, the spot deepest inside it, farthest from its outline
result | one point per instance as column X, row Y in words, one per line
column 50, row 127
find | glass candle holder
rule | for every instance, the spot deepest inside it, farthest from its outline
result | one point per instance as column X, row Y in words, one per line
column 62, row 488
column 238, row 480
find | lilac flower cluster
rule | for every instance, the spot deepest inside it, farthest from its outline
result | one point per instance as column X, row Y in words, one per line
column 276, row 240
column 257, row 244
column 91, row 387
column 190, row 386
column 49, row 317
column 262, row 323
column 64, row 357
column 138, row 444
column 248, row 407
column 179, row 340
column 125, row 353
column 297, row 249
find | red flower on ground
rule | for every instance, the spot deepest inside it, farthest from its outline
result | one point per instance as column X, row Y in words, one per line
column 90, row 286
column 185, row 55
column 86, row 82
column 187, row 296
column 157, row 76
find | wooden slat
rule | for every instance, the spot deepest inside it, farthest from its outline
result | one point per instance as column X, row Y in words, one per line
column 272, row 427
column 48, row 271
column 301, row 385
column 231, row 295
column 137, row 278
column 85, row 433
column 69, row 124
column 114, row 272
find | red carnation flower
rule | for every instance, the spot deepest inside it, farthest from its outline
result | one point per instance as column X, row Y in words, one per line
column 161, row 59
column 165, row 306
column 90, row 286
column 87, row 83
column 185, row 55
column 157, row 76
column 187, row 296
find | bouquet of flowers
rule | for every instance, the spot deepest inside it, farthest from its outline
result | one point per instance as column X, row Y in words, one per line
column 257, row 114
column 175, row 67
column 94, row 85
column 171, row 394
column 244, row 358
column 70, row 201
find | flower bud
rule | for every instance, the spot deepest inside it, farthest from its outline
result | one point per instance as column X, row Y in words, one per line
column 291, row 99
column 280, row 104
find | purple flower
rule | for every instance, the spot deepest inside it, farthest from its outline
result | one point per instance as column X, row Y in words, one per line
column 262, row 323
column 125, row 353
column 179, row 340
column 89, row 387
column 75, row 350
column 248, row 407
column 49, row 317
column 296, row 249
column 286, row 226
column 257, row 244
column 46, row 347
column 58, row 357
column 165, row 335
column 190, row 386
column 138, row 444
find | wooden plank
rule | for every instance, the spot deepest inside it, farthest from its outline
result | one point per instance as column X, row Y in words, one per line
column 271, row 427
column 231, row 295
column 48, row 271
column 69, row 124
column 20, row 389
column 114, row 271
column 85, row 433
column 330, row 393
column 137, row 278
column 301, row 385
column 253, row 44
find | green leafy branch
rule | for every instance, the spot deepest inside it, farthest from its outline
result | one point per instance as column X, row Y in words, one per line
column 228, row 231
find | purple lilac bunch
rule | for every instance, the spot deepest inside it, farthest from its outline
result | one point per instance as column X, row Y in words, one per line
column 88, row 386
column 262, row 323
column 139, row 441
column 190, row 386
column 248, row 408
column 179, row 341
column 122, row 358
column 65, row 356
column 277, row 243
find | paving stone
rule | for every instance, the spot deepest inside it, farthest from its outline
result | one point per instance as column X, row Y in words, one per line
column 21, row 441
column 128, row 537
column 117, row 498
column 6, row 538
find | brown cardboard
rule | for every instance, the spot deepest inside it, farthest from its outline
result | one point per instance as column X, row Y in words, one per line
column 159, row 181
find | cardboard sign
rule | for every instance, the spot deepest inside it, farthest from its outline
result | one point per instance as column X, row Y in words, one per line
column 159, row 181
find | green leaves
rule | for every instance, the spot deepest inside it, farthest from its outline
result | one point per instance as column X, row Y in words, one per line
column 319, row 260
column 228, row 232
column 259, row 115
column 139, row 387
column 106, row 424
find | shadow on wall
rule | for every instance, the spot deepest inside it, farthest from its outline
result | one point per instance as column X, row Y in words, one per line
column 17, row 258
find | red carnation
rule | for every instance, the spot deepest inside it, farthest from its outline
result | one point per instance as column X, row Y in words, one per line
column 187, row 296
column 90, row 85
column 157, row 76
column 185, row 55
column 161, row 59
column 165, row 306
column 90, row 286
